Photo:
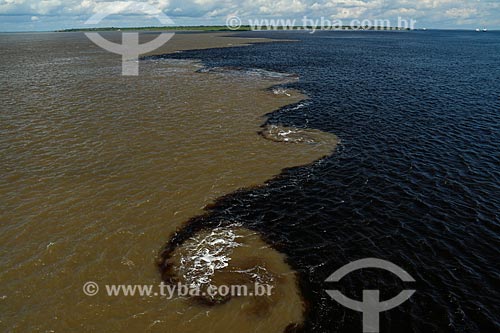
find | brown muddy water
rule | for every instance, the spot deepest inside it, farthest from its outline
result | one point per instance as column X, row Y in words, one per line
column 98, row 171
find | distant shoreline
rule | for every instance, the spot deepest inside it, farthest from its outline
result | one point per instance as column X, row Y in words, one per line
column 225, row 28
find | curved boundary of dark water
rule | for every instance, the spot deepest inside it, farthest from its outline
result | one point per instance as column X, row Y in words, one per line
column 208, row 220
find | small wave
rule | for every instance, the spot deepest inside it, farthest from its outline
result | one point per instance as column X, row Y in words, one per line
column 285, row 134
column 256, row 72
column 207, row 253
column 298, row 135
column 300, row 106
column 281, row 92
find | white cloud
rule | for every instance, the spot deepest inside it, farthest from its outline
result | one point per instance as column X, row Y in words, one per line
column 282, row 6
column 353, row 12
column 461, row 13
column 430, row 12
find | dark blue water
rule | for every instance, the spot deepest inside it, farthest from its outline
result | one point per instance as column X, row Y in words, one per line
column 416, row 179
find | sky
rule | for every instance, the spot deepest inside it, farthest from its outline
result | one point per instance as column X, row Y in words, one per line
column 47, row 15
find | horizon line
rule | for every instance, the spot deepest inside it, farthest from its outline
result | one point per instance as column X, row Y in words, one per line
column 227, row 29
